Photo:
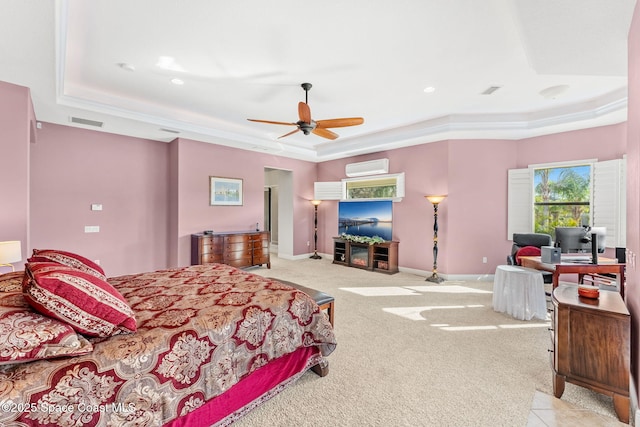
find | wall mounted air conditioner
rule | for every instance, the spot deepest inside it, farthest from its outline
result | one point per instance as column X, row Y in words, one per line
column 372, row 167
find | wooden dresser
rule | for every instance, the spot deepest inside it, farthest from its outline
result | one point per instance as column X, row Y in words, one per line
column 236, row 248
column 591, row 344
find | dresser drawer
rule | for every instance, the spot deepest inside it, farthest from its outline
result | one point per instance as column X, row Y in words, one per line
column 238, row 259
column 237, row 247
column 237, row 238
column 259, row 244
column 211, row 258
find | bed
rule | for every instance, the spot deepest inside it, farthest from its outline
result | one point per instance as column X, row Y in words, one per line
column 201, row 346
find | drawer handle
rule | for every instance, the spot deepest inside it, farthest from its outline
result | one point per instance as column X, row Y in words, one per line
column 550, row 351
column 550, row 329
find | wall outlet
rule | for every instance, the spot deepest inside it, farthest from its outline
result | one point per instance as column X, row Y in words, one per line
column 484, row 259
column 91, row 228
column 308, row 243
column 96, row 207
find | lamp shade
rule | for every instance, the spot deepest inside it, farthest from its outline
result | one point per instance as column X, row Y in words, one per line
column 10, row 251
column 436, row 199
column 315, row 202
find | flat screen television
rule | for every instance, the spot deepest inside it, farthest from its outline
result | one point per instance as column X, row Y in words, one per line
column 367, row 218
column 579, row 239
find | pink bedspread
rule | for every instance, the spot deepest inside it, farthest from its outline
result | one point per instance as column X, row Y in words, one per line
column 201, row 329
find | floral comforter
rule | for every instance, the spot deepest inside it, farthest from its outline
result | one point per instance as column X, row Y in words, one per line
column 201, row 329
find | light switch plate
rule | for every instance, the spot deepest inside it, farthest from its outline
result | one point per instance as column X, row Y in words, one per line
column 96, row 207
column 91, row 228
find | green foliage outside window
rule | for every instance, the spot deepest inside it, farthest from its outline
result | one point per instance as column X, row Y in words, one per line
column 372, row 192
column 372, row 188
column 561, row 197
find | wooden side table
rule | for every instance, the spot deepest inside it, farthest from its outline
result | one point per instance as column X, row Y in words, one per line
column 591, row 344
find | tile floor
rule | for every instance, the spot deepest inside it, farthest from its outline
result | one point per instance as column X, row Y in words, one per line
column 547, row 411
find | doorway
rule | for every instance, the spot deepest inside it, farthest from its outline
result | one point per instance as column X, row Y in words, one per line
column 278, row 210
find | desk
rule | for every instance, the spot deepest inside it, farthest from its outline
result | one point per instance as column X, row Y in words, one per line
column 519, row 291
column 605, row 265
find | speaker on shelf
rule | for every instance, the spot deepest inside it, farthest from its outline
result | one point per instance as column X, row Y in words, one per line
column 621, row 255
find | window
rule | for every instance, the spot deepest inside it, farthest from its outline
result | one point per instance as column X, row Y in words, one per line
column 562, row 197
column 380, row 187
column 542, row 197
column 377, row 187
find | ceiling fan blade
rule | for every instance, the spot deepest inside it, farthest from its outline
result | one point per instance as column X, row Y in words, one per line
column 273, row 123
column 339, row 123
column 290, row 133
column 304, row 112
column 325, row 133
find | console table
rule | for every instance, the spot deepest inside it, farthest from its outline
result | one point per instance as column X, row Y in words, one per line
column 591, row 344
column 380, row 257
column 236, row 248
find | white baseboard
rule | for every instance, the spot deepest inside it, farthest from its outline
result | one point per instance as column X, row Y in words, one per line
column 417, row 272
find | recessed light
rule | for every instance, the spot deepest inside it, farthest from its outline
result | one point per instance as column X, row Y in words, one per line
column 177, row 81
column 429, row 89
column 125, row 66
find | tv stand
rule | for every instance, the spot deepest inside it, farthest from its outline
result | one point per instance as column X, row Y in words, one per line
column 379, row 257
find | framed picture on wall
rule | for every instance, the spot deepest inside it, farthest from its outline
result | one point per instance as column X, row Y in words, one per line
column 225, row 191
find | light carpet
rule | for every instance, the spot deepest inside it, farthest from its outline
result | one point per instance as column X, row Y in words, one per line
column 413, row 353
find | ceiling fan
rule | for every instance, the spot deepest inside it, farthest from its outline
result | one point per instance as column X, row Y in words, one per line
column 308, row 125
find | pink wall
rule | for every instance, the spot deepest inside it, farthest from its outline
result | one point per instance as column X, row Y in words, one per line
column 16, row 125
column 73, row 168
column 196, row 161
column 473, row 219
column 477, row 225
column 426, row 172
column 156, row 194
column 633, row 193
column 602, row 143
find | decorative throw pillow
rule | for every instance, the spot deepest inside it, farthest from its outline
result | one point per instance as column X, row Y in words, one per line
column 87, row 303
column 69, row 259
column 527, row 251
column 26, row 335
column 12, row 281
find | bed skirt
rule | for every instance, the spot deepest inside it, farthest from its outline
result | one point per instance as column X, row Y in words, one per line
column 251, row 391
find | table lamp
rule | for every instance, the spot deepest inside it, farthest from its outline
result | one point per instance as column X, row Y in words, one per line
column 10, row 251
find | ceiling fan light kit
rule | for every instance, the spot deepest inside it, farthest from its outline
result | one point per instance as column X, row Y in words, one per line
column 307, row 125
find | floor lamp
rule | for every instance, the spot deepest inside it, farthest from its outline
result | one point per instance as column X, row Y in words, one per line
column 315, row 255
column 434, row 276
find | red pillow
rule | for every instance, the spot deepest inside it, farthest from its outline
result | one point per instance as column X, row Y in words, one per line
column 26, row 335
column 527, row 251
column 69, row 259
column 88, row 304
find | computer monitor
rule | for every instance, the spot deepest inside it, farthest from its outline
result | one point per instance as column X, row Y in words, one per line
column 572, row 239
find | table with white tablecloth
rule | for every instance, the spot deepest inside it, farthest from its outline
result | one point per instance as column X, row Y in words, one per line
column 519, row 291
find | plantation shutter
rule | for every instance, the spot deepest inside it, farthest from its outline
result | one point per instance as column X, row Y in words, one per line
column 609, row 200
column 327, row 190
column 520, row 202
